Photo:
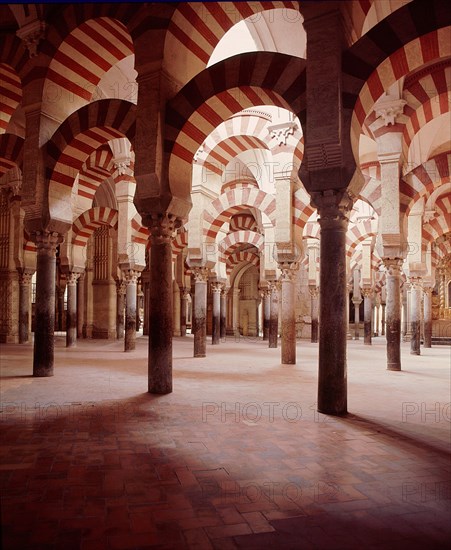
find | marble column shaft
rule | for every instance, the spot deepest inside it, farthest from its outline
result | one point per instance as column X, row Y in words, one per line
column 357, row 303
column 288, row 314
column 183, row 307
column 71, row 314
column 223, row 315
column 314, row 311
column 200, row 312
column 393, row 312
column 415, row 314
column 130, row 277
column 367, row 314
column 43, row 353
column 176, row 306
column 120, row 308
column 80, row 305
column 216, row 313
column 24, row 307
column 274, row 316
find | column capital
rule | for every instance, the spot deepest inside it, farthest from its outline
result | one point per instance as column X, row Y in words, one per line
column 200, row 274
column 120, row 287
column 31, row 34
column 393, row 266
column 313, row 291
column 416, row 283
column 71, row 278
column 47, row 240
column 367, row 292
column 217, row 287
column 334, row 207
column 25, row 277
column 288, row 271
column 184, row 293
column 162, row 226
column 130, row 276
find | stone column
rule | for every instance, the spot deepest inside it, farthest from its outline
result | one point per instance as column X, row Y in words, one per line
column 266, row 312
column 24, row 306
column 376, row 316
column 223, row 315
column 367, row 313
column 427, row 312
column 183, row 307
column 43, row 353
column 130, row 278
column 80, row 305
column 441, row 293
column 176, row 307
column 404, row 311
column 120, row 308
column 71, row 315
column 288, row 314
column 162, row 229
column 236, row 312
column 348, row 328
column 200, row 311
column 60, row 290
column 216, row 289
column 382, row 318
column 408, row 313
column 274, row 315
column 357, row 302
column 333, row 208
column 416, row 290
column 314, row 309
column 393, row 312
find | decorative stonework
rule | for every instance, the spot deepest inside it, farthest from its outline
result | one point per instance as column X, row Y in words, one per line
column 389, row 109
column 323, row 155
column 367, row 292
column 162, row 227
column 47, row 241
column 31, row 34
column 416, row 283
column 200, row 274
column 393, row 266
column 313, row 291
column 429, row 215
column 334, row 207
column 281, row 132
column 288, row 271
column 71, row 278
column 120, row 287
column 122, row 165
column 217, row 287
column 130, row 276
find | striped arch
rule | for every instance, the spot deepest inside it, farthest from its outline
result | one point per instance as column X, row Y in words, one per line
column 242, row 257
column 218, row 157
column 79, row 62
column 302, row 210
column 353, row 243
column 97, row 167
column 13, row 53
column 196, row 29
column 422, row 38
column 238, row 238
column 10, row 93
column 312, row 230
column 11, row 152
column 423, row 180
column 356, row 261
column 140, row 234
column 358, row 232
column 250, row 197
column 247, row 80
column 85, row 225
column 80, row 135
column 441, row 224
column 440, row 251
column 179, row 243
column 243, row 222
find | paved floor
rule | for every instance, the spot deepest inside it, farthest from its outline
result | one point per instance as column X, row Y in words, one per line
column 235, row 457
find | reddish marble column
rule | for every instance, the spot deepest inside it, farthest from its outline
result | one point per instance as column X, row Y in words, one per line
column 71, row 314
column 367, row 314
column 357, row 302
column 24, row 306
column 288, row 314
column 314, row 308
column 416, row 290
column 383, row 319
column 274, row 315
column 216, row 289
column 427, row 313
column 162, row 229
column 43, row 353
column 393, row 312
column 333, row 208
column 200, row 311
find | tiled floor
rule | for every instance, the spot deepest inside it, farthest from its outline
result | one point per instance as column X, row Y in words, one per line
column 236, row 457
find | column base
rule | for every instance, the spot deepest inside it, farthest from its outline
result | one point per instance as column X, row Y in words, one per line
column 415, row 352
column 394, row 367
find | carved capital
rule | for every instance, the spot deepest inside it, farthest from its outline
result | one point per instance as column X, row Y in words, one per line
column 130, row 276
column 367, row 292
column 416, row 283
column 334, row 208
column 200, row 274
column 389, row 109
column 120, row 287
column 162, row 227
column 121, row 165
column 393, row 266
column 288, row 271
column 71, row 278
column 46, row 241
column 280, row 132
column 313, row 291
column 31, row 34
column 25, row 277
column 217, row 287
